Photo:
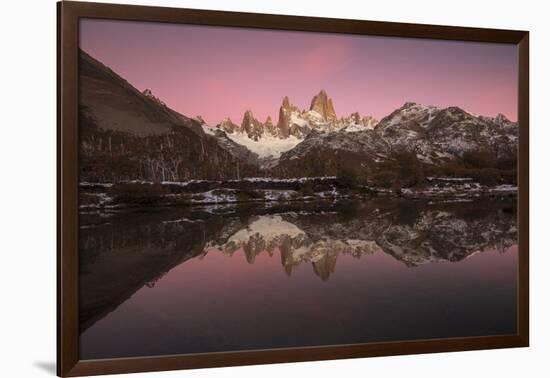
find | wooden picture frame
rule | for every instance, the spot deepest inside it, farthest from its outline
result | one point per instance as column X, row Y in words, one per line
column 69, row 13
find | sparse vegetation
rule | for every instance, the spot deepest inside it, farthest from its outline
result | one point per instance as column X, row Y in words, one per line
column 480, row 159
column 306, row 189
column 402, row 170
column 383, row 178
column 348, row 178
column 137, row 193
column 247, row 195
column 482, row 166
column 410, row 169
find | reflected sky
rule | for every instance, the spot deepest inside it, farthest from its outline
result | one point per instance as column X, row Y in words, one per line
column 248, row 281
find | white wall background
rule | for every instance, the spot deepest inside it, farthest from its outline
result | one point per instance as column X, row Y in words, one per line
column 28, row 211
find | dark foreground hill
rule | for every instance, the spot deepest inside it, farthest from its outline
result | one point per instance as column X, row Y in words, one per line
column 129, row 135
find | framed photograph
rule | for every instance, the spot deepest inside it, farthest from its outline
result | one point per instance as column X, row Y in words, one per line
column 239, row 188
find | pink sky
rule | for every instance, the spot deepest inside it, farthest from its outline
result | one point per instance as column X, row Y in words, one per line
column 219, row 72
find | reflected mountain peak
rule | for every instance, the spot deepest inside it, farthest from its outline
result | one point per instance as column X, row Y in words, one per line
column 270, row 229
column 152, row 245
column 271, row 233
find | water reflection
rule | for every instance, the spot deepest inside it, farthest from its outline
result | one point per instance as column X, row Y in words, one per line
column 276, row 234
column 432, row 235
column 124, row 252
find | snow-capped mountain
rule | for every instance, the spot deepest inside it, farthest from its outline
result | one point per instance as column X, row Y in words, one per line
column 439, row 133
column 320, row 117
column 137, row 136
column 268, row 140
column 436, row 135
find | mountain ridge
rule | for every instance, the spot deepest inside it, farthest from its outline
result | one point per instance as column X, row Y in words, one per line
column 293, row 125
column 435, row 137
column 127, row 135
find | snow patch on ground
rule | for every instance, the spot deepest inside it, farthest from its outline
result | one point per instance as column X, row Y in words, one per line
column 215, row 196
column 273, row 179
column 184, row 183
column 86, row 184
column 459, row 179
column 505, row 188
column 184, row 220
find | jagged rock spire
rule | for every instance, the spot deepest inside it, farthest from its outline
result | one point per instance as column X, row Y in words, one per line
column 252, row 126
column 322, row 104
column 355, row 117
column 284, row 117
column 268, row 125
column 228, row 126
column 282, row 124
column 286, row 103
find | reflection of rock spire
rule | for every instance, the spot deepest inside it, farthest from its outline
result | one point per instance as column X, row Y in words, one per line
column 268, row 233
column 249, row 253
column 325, row 266
column 288, row 269
column 414, row 237
column 253, row 247
column 286, row 257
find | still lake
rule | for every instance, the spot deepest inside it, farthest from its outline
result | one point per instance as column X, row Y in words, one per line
column 228, row 278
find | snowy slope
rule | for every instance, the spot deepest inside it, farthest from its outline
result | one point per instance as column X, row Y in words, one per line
column 269, row 140
column 267, row 146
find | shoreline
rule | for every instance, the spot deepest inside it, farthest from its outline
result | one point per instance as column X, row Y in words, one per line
column 132, row 194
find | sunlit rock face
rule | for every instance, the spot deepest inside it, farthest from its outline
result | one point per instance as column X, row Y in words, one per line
column 269, row 140
column 322, row 104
